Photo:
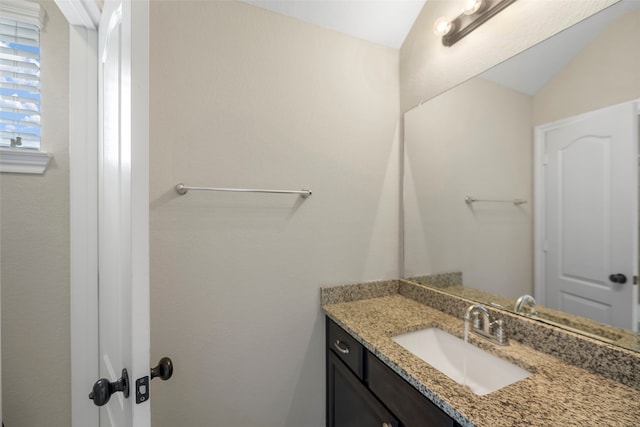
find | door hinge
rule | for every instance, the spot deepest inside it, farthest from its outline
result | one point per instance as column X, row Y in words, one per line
column 142, row 389
column 635, row 280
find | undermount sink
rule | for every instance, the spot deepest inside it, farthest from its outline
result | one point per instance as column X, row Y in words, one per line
column 485, row 372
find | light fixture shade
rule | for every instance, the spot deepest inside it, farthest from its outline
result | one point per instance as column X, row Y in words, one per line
column 469, row 7
column 442, row 26
column 474, row 14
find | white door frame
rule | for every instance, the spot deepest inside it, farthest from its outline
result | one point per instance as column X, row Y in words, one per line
column 539, row 204
column 83, row 189
column 539, row 267
column 83, row 17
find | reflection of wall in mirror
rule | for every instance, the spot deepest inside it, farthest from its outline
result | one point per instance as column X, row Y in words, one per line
column 604, row 73
column 427, row 68
column 479, row 151
column 473, row 140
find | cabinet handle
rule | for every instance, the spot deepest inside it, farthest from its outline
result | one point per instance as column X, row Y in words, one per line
column 341, row 347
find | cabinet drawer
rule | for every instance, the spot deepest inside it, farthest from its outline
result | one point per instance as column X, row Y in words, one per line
column 410, row 407
column 345, row 347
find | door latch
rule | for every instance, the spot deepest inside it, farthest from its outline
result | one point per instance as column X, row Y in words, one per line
column 164, row 371
column 142, row 389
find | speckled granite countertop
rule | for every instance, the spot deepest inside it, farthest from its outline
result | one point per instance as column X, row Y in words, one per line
column 557, row 394
column 453, row 284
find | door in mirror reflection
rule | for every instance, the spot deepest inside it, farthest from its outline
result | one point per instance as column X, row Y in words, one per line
column 588, row 204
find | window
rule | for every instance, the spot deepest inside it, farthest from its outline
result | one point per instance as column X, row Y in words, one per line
column 20, row 25
column 19, row 84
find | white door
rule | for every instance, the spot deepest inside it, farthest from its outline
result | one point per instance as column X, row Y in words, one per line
column 123, row 213
column 590, row 208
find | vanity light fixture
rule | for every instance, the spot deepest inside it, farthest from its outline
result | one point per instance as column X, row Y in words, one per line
column 474, row 13
column 469, row 7
column 442, row 26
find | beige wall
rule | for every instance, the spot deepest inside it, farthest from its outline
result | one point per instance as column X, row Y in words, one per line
column 605, row 73
column 242, row 97
column 428, row 68
column 473, row 140
column 35, row 259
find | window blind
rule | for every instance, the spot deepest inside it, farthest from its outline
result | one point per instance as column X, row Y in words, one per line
column 19, row 84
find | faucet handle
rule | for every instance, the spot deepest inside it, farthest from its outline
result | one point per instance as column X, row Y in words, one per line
column 498, row 331
column 476, row 320
column 528, row 301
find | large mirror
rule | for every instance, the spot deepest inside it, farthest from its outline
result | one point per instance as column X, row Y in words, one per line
column 515, row 182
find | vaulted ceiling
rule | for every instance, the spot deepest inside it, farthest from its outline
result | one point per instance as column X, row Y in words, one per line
column 386, row 22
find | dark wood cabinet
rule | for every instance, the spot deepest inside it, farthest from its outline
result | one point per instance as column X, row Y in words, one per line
column 346, row 348
column 364, row 392
column 351, row 404
column 413, row 408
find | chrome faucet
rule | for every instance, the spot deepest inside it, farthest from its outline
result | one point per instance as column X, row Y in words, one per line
column 487, row 327
column 525, row 300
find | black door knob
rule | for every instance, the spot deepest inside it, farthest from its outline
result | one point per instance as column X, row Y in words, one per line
column 164, row 370
column 618, row 278
column 103, row 389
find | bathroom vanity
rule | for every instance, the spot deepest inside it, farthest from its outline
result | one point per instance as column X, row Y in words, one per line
column 373, row 381
column 360, row 388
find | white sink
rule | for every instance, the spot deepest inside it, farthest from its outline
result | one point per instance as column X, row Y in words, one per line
column 485, row 372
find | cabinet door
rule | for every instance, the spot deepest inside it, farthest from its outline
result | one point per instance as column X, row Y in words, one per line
column 349, row 402
column 412, row 408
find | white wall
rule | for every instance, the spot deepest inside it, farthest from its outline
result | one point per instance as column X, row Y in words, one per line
column 242, row 97
column 34, row 271
column 473, row 140
column 427, row 68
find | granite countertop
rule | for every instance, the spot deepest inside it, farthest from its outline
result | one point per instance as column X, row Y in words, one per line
column 453, row 284
column 557, row 394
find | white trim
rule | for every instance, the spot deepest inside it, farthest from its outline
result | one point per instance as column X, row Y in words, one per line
column 22, row 160
column 636, row 221
column 83, row 160
column 136, row 32
column 23, row 11
column 538, row 215
column 84, row 13
column 114, row 22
